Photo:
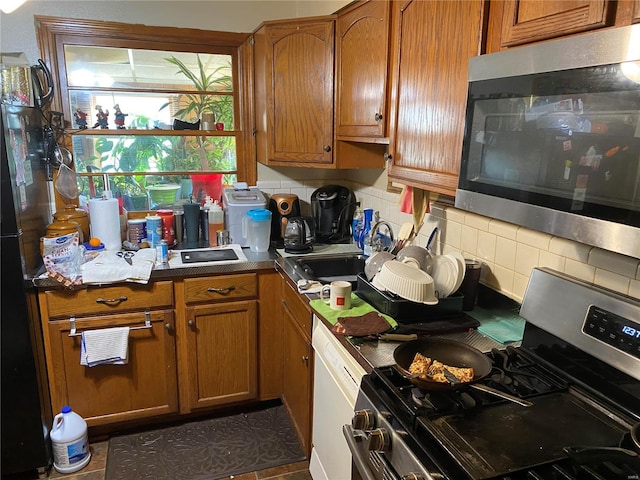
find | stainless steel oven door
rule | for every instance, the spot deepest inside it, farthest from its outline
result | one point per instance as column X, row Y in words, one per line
column 366, row 464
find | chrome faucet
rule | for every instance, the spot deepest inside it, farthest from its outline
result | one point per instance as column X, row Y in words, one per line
column 377, row 243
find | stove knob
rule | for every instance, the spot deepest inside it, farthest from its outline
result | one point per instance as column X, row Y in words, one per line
column 363, row 420
column 379, row 440
column 413, row 476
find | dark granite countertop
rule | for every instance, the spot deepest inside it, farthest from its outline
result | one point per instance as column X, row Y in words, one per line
column 255, row 261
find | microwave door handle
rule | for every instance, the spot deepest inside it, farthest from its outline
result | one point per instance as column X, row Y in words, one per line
column 350, row 435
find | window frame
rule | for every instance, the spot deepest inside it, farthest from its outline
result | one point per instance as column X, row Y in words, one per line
column 54, row 33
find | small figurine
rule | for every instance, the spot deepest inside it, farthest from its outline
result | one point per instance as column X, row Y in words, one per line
column 119, row 118
column 103, row 118
column 80, row 118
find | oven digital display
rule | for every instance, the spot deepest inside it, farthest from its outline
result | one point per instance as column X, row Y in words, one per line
column 631, row 331
column 619, row 332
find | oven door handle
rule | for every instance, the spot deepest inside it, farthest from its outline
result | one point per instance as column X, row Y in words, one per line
column 350, row 435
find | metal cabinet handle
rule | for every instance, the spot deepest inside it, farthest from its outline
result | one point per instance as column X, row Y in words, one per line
column 388, row 157
column 305, row 359
column 168, row 327
column 221, row 291
column 326, row 148
column 112, row 301
column 191, row 324
column 378, row 117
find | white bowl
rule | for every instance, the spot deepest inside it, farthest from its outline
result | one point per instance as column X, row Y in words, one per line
column 407, row 281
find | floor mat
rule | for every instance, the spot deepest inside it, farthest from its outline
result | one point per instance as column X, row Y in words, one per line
column 208, row 449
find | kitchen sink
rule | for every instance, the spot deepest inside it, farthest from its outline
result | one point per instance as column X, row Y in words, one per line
column 330, row 268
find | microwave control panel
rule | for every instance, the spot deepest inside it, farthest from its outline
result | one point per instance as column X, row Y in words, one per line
column 619, row 332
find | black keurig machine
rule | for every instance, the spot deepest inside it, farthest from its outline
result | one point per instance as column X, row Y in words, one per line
column 332, row 207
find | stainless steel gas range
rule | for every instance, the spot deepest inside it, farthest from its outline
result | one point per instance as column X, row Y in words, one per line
column 579, row 367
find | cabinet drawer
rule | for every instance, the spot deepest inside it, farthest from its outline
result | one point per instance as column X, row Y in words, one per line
column 297, row 307
column 97, row 300
column 221, row 288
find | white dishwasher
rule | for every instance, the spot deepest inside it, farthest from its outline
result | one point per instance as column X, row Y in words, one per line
column 337, row 378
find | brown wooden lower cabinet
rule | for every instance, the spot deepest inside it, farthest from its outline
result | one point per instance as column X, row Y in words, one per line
column 146, row 386
column 297, row 374
column 212, row 341
column 222, row 349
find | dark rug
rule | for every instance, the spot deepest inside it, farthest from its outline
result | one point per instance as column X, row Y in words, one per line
column 207, row 449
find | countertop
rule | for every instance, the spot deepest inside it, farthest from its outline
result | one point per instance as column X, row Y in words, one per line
column 255, row 261
column 371, row 353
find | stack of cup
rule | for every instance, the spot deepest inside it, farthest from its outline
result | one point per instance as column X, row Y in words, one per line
column 137, row 230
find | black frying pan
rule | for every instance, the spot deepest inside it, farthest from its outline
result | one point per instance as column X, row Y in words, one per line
column 449, row 352
column 454, row 354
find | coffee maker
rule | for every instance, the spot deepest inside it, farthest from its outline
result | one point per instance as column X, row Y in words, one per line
column 283, row 206
column 332, row 207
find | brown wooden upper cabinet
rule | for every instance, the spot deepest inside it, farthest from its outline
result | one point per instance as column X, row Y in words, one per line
column 431, row 46
column 362, row 66
column 294, row 92
column 514, row 23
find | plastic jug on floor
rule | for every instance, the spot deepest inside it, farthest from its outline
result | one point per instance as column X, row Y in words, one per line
column 70, row 441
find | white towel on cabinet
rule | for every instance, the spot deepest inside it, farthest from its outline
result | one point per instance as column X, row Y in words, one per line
column 107, row 346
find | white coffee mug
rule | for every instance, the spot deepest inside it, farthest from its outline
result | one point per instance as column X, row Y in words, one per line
column 337, row 295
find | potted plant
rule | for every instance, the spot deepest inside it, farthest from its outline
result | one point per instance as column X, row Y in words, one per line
column 195, row 104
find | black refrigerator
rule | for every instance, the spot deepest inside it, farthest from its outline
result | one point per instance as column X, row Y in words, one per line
column 25, row 211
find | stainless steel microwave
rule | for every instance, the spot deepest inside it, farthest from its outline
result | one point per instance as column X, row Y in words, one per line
column 552, row 138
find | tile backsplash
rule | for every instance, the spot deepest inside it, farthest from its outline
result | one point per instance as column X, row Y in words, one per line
column 508, row 252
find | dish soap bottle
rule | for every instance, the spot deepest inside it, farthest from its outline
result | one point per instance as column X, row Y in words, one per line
column 216, row 222
column 357, row 223
column 366, row 228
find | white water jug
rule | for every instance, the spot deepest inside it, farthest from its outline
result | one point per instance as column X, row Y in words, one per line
column 70, row 441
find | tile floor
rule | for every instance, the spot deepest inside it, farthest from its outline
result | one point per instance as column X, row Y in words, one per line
column 95, row 470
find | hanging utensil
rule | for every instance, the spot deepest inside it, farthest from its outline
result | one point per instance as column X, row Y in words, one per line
column 404, row 233
column 431, row 237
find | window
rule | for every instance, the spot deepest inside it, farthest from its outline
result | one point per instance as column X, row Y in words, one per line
column 158, row 113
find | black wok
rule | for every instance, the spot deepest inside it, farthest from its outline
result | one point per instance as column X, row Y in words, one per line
column 454, row 354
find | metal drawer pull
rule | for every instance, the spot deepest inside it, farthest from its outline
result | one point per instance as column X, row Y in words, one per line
column 223, row 290
column 112, row 301
column 147, row 325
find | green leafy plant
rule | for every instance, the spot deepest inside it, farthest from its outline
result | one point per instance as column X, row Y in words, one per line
column 195, row 104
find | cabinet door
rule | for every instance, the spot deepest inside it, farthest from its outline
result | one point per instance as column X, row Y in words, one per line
column 433, row 42
column 297, row 378
column 298, row 91
column 146, row 386
column 362, row 53
column 527, row 21
column 222, row 350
